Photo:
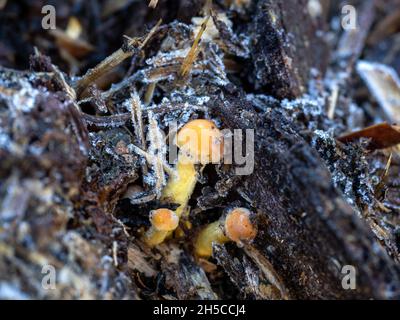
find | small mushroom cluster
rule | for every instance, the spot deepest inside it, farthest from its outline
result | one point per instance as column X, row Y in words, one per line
column 200, row 142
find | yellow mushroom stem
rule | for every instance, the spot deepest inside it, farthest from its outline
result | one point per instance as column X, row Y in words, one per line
column 201, row 142
column 162, row 222
column 235, row 226
column 180, row 186
column 212, row 233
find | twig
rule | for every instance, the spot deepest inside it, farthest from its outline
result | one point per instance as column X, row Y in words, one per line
column 151, row 158
column 101, row 122
column 119, row 120
column 123, row 226
column 133, row 46
column 136, row 112
column 137, row 121
column 77, row 122
column 159, row 150
column 59, row 77
column 149, row 93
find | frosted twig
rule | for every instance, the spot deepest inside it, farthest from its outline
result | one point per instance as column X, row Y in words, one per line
column 159, row 150
column 136, row 113
column 137, row 121
column 151, row 158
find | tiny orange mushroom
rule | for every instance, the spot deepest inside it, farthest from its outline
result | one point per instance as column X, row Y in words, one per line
column 238, row 226
column 162, row 222
column 201, row 141
column 235, row 226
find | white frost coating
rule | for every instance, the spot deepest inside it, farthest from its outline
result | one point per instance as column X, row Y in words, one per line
column 24, row 98
column 314, row 8
column 323, row 134
column 211, row 31
column 8, row 144
column 149, row 180
column 200, row 101
column 10, row 292
column 40, row 191
column 310, row 105
column 165, row 58
column 4, row 140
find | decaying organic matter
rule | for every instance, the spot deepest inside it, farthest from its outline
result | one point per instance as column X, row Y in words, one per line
column 85, row 133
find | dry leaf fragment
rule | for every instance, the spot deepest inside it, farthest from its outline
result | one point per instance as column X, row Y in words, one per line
column 382, row 136
column 384, row 84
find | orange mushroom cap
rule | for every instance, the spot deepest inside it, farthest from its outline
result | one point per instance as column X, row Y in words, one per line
column 164, row 219
column 238, row 226
column 202, row 141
